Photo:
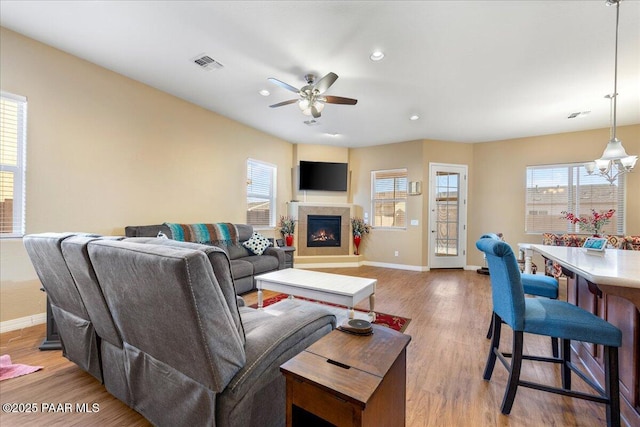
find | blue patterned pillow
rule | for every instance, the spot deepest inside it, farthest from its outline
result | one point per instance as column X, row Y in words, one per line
column 257, row 243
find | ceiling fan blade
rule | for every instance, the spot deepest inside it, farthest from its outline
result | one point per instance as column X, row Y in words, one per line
column 283, row 85
column 280, row 104
column 325, row 82
column 340, row 100
column 314, row 112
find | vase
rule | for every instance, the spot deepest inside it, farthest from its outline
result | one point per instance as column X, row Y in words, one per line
column 356, row 244
column 289, row 239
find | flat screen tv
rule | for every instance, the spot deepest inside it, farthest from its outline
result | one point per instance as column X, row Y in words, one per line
column 323, row 176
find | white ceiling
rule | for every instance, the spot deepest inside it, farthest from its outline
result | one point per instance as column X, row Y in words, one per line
column 473, row 71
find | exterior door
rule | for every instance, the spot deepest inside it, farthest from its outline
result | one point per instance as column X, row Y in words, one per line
column 447, row 215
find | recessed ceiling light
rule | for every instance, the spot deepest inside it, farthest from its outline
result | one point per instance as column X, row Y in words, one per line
column 264, row 92
column 376, row 55
column 333, row 135
column 414, row 117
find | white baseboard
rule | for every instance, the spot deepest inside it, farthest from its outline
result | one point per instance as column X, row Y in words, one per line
column 471, row 267
column 358, row 264
column 327, row 265
column 396, row 266
column 23, row 322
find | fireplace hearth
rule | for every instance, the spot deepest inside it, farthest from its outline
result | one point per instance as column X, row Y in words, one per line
column 323, row 230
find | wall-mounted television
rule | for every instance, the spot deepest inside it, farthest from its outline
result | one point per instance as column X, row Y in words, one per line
column 323, row 176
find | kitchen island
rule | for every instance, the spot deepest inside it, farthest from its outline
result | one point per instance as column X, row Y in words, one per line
column 606, row 284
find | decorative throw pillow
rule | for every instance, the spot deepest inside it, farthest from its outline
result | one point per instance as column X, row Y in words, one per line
column 257, row 243
column 161, row 235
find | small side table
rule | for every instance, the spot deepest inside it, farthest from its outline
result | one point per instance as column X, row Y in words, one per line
column 349, row 380
column 288, row 255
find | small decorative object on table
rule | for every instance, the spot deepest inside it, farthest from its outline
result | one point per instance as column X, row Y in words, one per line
column 359, row 228
column 287, row 228
column 593, row 223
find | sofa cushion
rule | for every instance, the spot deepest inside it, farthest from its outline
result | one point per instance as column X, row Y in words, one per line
column 630, row 243
column 166, row 303
column 221, row 269
column 237, row 251
column 257, row 243
column 262, row 264
column 241, row 268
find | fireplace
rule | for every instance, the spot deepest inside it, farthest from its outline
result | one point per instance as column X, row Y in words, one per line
column 323, row 230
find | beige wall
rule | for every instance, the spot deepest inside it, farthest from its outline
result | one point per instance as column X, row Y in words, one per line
column 380, row 245
column 318, row 153
column 105, row 151
column 498, row 181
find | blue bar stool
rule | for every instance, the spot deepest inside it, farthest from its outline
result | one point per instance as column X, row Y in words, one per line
column 533, row 284
column 547, row 317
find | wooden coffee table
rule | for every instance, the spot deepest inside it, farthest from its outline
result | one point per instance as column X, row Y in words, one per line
column 349, row 380
column 333, row 288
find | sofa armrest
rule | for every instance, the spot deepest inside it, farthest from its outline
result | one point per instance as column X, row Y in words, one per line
column 274, row 335
column 276, row 252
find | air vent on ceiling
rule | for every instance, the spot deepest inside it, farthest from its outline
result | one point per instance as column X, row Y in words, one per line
column 578, row 114
column 206, row 62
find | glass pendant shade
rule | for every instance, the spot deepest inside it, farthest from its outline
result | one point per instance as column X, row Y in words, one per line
column 614, row 150
column 629, row 162
column 603, row 165
column 590, row 167
column 305, row 106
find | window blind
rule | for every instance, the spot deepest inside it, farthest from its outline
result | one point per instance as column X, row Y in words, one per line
column 389, row 198
column 13, row 130
column 553, row 189
column 261, row 194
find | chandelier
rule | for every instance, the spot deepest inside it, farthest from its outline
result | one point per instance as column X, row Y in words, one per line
column 614, row 160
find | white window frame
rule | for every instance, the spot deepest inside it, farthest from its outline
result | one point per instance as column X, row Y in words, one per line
column 269, row 198
column 10, row 124
column 402, row 173
column 547, row 193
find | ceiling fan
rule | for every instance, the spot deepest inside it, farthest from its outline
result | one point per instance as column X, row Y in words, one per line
column 311, row 99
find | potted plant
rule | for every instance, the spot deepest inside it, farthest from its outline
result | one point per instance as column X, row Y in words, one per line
column 287, row 228
column 593, row 223
column 358, row 227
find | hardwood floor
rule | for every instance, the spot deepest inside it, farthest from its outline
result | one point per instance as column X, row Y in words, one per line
column 450, row 314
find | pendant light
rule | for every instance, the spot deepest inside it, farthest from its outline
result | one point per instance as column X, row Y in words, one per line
column 614, row 160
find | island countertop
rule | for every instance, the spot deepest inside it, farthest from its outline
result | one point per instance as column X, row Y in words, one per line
column 613, row 267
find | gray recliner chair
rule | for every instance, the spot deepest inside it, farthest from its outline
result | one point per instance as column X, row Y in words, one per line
column 79, row 339
column 188, row 360
column 111, row 346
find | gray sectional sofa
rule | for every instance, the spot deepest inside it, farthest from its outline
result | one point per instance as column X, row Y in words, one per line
column 158, row 322
column 244, row 264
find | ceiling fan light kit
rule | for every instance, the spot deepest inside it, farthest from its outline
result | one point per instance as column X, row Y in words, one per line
column 614, row 160
column 311, row 101
column 376, row 55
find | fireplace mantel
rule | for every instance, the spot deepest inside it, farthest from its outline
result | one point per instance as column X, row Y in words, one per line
column 300, row 211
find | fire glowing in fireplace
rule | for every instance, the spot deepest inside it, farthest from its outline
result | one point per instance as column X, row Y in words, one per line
column 323, row 230
column 322, row 235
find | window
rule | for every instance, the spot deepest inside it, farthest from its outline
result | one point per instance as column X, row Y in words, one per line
column 389, row 198
column 13, row 132
column 261, row 194
column 552, row 189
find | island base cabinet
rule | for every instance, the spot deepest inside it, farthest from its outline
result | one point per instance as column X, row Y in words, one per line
column 624, row 315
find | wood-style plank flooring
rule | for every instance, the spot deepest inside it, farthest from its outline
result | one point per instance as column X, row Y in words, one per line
column 450, row 313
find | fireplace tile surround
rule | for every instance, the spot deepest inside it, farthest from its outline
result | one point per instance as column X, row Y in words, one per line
column 303, row 211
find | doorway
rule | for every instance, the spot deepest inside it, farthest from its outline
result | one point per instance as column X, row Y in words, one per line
column 447, row 215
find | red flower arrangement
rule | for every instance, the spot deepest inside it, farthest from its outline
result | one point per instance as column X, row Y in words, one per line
column 593, row 223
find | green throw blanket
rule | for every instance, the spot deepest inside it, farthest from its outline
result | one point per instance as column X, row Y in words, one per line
column 222, row 233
